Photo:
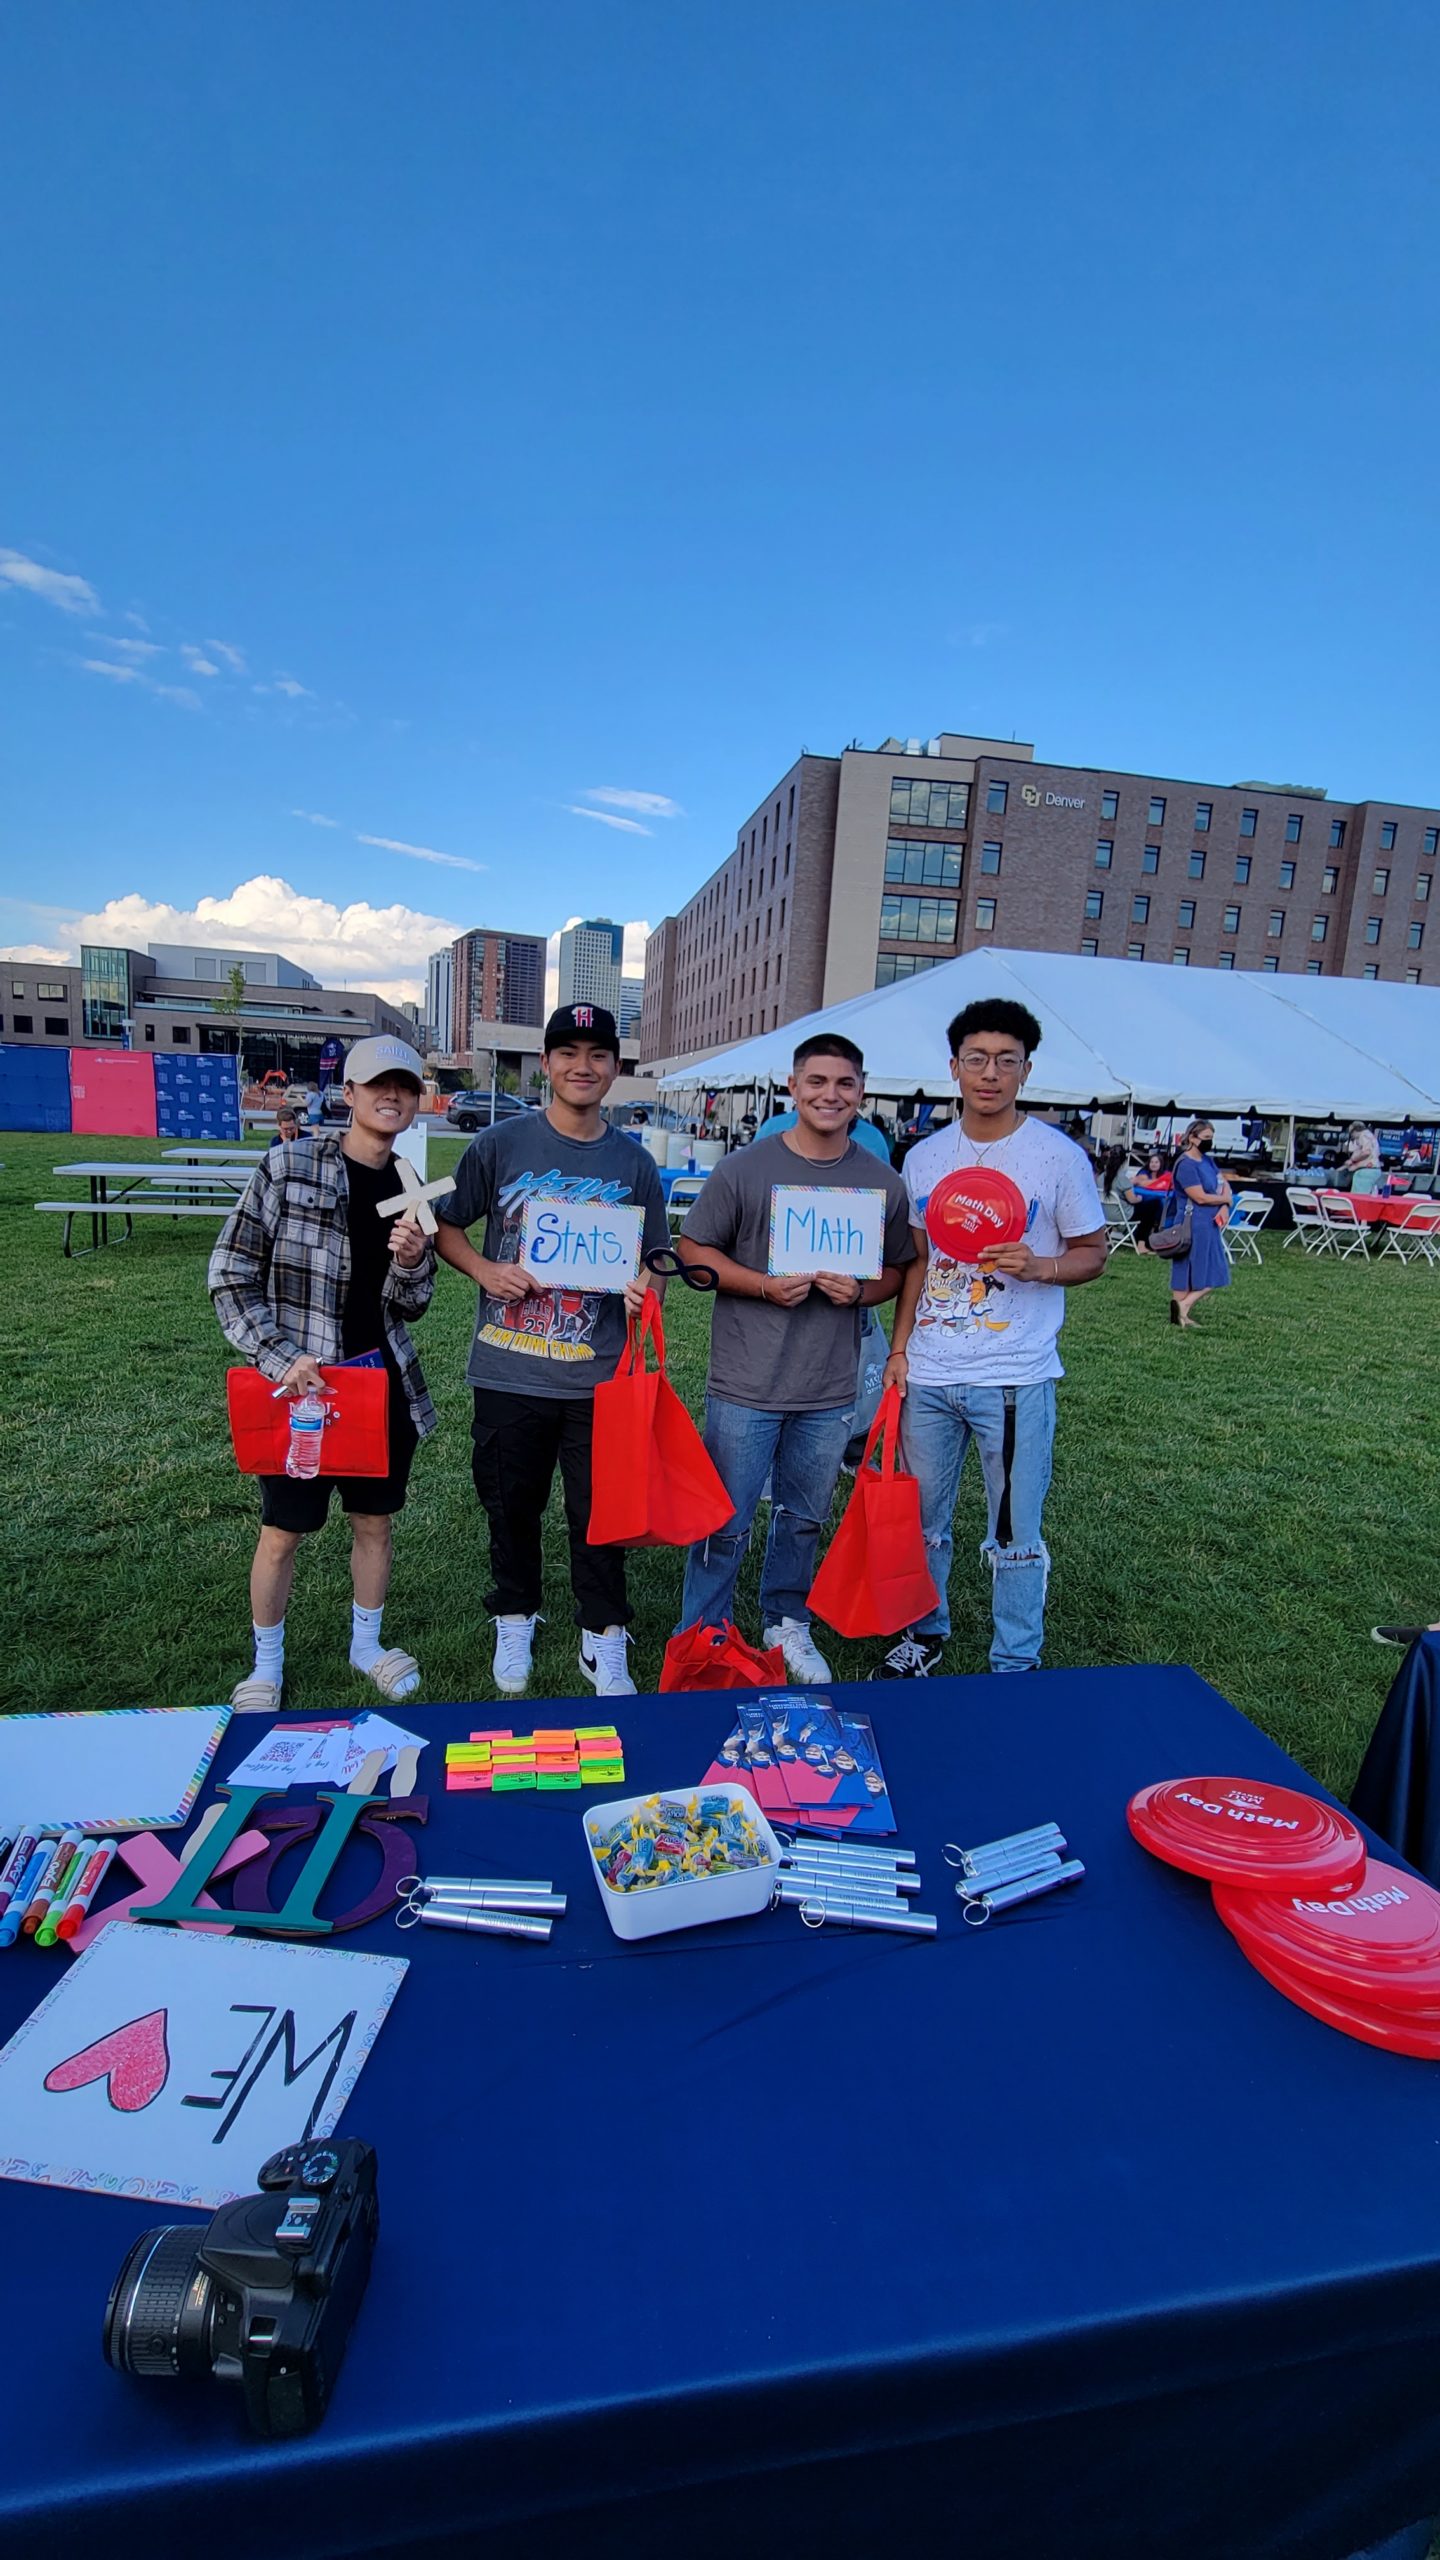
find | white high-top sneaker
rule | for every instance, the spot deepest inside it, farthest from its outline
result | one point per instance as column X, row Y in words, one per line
column 602, row 1659
column 801, row 1659
column 514, row 1648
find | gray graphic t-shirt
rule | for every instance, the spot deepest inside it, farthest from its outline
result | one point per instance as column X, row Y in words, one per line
column 555, row 1342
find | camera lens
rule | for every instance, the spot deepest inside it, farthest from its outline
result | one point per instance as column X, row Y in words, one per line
column 158, row 2318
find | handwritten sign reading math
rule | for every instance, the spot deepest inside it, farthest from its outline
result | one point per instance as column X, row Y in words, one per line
column 581, row 1244
column 826, row 1230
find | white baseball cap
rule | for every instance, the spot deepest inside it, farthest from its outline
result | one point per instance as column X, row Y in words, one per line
column 369, row 1060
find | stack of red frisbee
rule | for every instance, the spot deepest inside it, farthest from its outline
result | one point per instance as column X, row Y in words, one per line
column 1351, row 1940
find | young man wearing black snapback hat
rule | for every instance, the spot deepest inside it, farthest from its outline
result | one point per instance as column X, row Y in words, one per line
column 539, row 1354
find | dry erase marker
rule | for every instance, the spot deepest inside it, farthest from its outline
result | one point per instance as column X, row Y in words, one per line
column 19, row 1900
column 62, row 1859
column 15, row 1865
column 92, row 1876
column 70, row 1876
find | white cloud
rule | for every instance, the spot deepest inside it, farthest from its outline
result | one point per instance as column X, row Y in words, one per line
column 602, row 817
column 181, row 693
column 646, row 804
column 314, row 818
column 124, row 674
column 234, row 658
column 39, row 951
column 293, row 691
column 53, row 586
column 109, row 667
column 382, row 948
column 132, row 648
column 196, row 660
column 137, row 620
column 422, row 853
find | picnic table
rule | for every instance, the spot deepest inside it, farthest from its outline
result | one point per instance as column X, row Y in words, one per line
column 152, row 1189
column 214, row 1155
column 1068, row 2228
column 1372, row 1211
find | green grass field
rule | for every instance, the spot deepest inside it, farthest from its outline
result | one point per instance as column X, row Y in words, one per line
column 1248, row 1498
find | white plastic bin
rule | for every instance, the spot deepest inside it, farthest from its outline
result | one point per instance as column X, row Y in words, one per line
column 649, row 1911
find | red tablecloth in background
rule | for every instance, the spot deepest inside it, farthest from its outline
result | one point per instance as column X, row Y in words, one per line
column 1375, row 1212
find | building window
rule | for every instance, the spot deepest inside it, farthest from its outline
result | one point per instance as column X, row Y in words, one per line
column 1104, row 853
column 1387, row 836
column 1150, row 859
column 1094, row 905
column 1140, row 910
column 1319, row 927
column 927, row 804
column 24, row 1022
column 1134, row 950
column 1230, row 921
column 56, row 1030
column 984, row 915
column 1226, row 960
column 1195, row 867
column 48, row 992
column 1187, row 914
column 990, row 860
column 1422, row 887
column 996, row 796
column 1293, row 825
column 1089, row 950
column 790, row 812
column 1380, row 884
column 180, row 1034
column 1276, row 925
column 1109, row 804
column 149, row 1030
column 1204, row 811
column 918, row 919
column 1157, row 810
column 1248, row 820
column 1372, row 928
column 1270, row 963
column 17, row 986
column 1329, row 880
column 1180, row 959
column 1287, row 875
column 898, row 964
column 1242, row 870
column 1314, row 968
column 1337, row 834
column 913, row 865
column 1371, row 969
column 1432, row 839
column 1414, row 936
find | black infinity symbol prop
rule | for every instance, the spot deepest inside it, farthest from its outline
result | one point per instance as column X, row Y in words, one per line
column 666, row 1264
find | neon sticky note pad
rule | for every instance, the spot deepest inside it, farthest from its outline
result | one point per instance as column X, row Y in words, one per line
column 461, row 1782
column 596, row 1733
column 506, row 1736
column 563, row 1736
column 548, row 1785
column 515, row 1779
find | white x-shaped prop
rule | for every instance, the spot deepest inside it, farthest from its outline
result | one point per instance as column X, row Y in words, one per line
column 417, row 1195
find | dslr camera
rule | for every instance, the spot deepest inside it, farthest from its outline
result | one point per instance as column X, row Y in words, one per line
column 265, row 2296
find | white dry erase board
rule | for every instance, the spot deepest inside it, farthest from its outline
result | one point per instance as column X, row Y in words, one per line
column 581, row 1244
column 122, row 1769
column 170, row 2065
column 826, row 1228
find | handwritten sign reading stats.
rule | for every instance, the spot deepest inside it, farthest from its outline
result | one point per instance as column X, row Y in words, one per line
column 581, row 1244
column 970, row 1212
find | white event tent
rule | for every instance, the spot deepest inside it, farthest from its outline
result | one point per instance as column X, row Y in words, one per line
column 1136, row 1034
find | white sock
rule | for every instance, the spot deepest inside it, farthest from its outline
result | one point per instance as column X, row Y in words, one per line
column 365, row 1645
column 269, row 1652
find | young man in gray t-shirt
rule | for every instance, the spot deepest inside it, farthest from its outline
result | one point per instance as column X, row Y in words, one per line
column 780, row 1396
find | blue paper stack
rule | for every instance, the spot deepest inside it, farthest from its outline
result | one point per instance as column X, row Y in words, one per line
column 197, row 1098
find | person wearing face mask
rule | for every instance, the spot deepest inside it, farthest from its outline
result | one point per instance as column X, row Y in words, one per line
column 1201, row 1191
column 305, row 1272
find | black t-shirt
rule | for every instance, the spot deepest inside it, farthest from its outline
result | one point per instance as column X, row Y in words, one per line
column 362, row 1321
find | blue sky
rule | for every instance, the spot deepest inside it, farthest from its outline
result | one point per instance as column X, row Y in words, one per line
column 470, row 414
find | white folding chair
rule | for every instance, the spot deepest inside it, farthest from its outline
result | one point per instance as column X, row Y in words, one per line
column 1309, row 1229
column 1119, row 1222
column 1416, row 1238
column 1248, row 1213
column 1345, row 1228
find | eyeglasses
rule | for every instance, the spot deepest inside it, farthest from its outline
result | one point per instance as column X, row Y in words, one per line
column 1008, row 1063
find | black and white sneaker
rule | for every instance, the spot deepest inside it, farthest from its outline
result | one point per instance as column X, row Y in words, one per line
column 913, row 1658
column 1398, row 1635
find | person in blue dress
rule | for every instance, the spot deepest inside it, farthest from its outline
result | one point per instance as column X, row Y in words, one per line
column 1200, row 1187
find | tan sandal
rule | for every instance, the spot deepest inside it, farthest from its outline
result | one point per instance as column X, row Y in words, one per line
column 390, row 1671
column 256, row 1697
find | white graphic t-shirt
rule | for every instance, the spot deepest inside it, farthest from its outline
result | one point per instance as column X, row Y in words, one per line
column 985, row 1328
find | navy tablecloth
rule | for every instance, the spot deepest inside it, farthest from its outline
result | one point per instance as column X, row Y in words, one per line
column 1066, row 2236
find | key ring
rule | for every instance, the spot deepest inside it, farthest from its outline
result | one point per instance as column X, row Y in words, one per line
column 410, row 1915
column 955, row 1856
column 976, row 1914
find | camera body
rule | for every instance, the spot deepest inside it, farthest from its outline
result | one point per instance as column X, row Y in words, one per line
column 266, row 2296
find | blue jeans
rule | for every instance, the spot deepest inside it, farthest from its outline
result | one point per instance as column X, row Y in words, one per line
column 803, row 1452
column 1014, row 1429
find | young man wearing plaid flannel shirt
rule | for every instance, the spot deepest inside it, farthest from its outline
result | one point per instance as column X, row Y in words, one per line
column 306, row 1271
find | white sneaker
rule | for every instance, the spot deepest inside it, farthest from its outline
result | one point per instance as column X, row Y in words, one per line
column 801, row 1659
column 602, row 1659
column 514, row 1647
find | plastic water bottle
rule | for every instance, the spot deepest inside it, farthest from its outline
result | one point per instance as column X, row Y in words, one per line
column 307, row 1429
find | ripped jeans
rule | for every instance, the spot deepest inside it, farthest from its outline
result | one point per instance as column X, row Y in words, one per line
column 1014, row 1429
column 803, row 1452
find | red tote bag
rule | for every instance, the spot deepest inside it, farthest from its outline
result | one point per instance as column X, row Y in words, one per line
column 874, row 1579
column 652, row 1481
column 720, row 1658
column 354, row 1442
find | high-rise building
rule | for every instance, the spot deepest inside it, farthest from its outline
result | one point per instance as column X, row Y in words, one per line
column 440, row 999
column 632, row 997
column 590, row 963
column 498, row 977
column 868, row 866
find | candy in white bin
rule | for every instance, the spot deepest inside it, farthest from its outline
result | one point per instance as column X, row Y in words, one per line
column 682, row 1900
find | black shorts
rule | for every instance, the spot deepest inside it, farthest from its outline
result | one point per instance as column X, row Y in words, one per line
column 301, row 1503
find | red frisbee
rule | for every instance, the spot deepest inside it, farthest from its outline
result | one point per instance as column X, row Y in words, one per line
column 1378, row 1946
column 1395, row 2032
column 975, row 1208
column 1243, row 1831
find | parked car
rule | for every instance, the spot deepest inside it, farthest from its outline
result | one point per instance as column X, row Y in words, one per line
column 471, row 1111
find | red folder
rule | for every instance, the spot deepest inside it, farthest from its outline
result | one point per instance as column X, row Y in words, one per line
column 356, row 1438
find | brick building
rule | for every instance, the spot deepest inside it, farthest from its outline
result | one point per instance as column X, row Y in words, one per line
column 865, row 867
column 496, row 977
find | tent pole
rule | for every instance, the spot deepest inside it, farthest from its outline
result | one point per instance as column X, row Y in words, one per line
column 1290, row 1148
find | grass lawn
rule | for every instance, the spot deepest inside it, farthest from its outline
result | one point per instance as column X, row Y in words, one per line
column 1249, row 1499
